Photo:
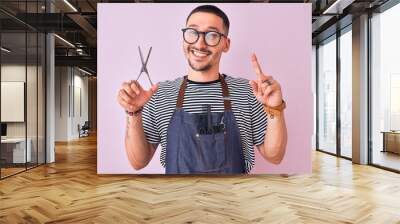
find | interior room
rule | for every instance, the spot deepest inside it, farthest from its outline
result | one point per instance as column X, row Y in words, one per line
column 49, row 126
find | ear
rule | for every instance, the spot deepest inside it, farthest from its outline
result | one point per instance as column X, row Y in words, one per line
column 227, row 45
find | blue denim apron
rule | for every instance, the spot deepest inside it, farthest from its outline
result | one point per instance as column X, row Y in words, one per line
column 206, row 142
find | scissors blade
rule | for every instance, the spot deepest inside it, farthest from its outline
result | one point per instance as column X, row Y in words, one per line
column 144, row 69
column 148, row 55
column 141, row 59
column 141, row 55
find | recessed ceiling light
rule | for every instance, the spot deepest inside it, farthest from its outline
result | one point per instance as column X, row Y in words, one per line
column 337, row 7
column 5, row 50
column 84, row 71
column 64, row 40
column 70, row 5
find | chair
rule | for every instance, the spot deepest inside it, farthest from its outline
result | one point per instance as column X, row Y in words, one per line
column 84, row 130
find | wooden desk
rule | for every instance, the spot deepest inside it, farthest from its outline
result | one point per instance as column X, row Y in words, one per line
column 391, row 141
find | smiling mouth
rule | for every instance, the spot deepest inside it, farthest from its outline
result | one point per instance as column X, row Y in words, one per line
column 200, row 54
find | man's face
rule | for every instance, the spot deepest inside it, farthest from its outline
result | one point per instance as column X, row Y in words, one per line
column 200, row 56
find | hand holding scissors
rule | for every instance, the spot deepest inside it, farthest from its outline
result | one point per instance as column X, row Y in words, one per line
column 131, row 96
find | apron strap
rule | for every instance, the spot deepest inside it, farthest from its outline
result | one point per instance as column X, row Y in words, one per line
column 225, row 93
column 181, row 94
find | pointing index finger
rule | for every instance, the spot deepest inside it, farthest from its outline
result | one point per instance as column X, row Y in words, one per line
column 256, row 65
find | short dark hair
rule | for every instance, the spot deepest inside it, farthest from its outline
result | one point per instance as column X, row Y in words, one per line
column 213, row 10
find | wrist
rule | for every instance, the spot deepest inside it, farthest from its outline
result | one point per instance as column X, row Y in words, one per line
column 134, row 113
column 275, row 110
column 276, row 105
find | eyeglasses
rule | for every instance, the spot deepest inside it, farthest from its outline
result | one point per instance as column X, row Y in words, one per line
column 211, row 38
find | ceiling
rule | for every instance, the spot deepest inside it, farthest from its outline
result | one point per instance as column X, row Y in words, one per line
column 76, row 22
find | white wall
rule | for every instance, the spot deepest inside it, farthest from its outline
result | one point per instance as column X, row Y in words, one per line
column 81, row 102
column 16, row 72
column 62, row 80
column 9, row 73
column 71, row 93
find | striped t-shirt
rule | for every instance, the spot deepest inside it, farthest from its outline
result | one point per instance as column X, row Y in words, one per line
column 248, row 112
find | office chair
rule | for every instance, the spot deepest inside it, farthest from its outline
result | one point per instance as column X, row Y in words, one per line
column 84, row 130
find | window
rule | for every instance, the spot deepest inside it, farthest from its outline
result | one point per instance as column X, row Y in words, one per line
column 385, row 88
column 327, row 96
column 22, row 77
column 346, row 93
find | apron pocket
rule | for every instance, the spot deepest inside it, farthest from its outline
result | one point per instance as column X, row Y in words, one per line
column 208, row 154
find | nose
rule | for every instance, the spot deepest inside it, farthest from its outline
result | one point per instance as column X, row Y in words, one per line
column 201, row 42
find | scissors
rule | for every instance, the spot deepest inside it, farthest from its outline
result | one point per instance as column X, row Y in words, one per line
column 144, row 64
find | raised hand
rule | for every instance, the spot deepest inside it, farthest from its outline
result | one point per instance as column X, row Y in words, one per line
column 132, row 97
column 265, row 88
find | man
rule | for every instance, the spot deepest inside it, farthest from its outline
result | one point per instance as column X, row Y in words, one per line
column 206, row 122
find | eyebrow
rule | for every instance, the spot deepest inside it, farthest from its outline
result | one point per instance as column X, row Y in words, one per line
column 208, row 28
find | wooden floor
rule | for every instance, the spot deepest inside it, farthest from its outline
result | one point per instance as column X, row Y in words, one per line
column 5, row 172
column 388, row 159
column 70, row 191
column 8, row 171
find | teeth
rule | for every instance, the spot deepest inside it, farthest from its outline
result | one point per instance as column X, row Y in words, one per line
column 199, row 53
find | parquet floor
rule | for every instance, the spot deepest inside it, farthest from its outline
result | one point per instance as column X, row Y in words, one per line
column 10, row 171
column 70, row 191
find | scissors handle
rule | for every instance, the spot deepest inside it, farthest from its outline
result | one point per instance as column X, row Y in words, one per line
column 148, row 76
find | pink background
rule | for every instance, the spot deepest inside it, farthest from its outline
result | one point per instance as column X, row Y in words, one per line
column 280, row 34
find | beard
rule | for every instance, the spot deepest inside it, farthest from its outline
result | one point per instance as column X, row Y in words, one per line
column 199, row 68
